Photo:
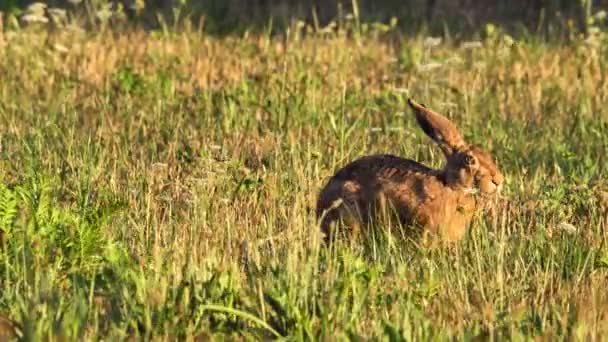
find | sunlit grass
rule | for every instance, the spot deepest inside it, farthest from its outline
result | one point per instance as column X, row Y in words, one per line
column 163, row 185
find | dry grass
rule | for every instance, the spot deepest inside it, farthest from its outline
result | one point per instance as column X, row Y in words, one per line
column 147, row 175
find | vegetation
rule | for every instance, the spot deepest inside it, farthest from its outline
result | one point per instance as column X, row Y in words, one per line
column 160, row 184
column 221, row 16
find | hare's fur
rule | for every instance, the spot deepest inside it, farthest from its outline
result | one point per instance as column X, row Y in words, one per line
column 440, row 201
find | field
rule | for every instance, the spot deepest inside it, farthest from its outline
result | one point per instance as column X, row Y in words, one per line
column 161, row 184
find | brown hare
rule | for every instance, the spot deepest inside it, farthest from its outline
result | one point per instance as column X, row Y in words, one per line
column 439, row 201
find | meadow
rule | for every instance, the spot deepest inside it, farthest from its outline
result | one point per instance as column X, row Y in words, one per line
column 160, row 185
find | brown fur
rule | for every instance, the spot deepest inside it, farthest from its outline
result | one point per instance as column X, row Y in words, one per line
column 440, row 201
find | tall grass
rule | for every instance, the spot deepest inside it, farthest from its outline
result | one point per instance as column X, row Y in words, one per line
column 159, row 185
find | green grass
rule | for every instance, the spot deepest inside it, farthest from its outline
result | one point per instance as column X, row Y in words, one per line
column 161, row 186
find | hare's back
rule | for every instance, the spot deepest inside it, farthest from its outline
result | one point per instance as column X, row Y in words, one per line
column 358, row 184
column 379, row 167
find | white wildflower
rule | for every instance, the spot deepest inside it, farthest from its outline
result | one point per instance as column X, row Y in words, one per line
column 429, row 66
column 430, row 42
column 34, row 18
column 567, row 228
column 471, row 45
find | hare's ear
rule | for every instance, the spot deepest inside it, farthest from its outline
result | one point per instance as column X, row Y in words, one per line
column 438, row 128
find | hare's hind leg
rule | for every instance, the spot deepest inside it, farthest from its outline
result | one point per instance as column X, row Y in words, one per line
column 339, row 207
column 343, row 220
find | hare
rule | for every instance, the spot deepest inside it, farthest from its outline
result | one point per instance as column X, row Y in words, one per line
column 441, row 201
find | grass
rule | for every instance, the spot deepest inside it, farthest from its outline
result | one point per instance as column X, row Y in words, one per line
column 160, row 185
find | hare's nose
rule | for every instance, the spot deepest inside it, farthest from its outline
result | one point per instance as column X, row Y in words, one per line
column 497, row 185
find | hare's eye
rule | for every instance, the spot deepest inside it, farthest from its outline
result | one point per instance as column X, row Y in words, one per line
column 469, row 160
